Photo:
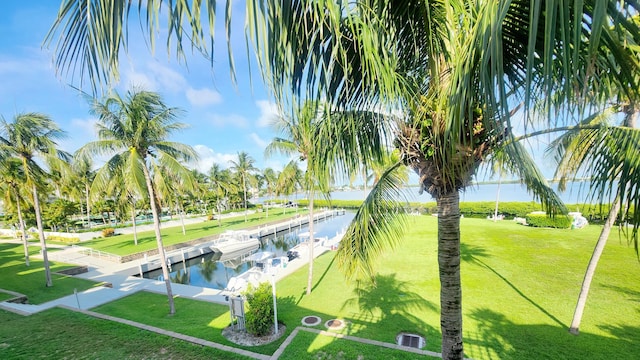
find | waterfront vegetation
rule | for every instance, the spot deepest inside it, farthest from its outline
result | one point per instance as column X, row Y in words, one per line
column 519, row 290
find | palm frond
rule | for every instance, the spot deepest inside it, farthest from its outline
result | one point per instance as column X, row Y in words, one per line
column 377, row 227
column 520, row 163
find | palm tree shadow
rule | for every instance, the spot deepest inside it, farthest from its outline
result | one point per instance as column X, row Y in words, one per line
column 474, row 255
column 388, row 297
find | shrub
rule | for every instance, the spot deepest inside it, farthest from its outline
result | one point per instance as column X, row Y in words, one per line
column 259, row 315
column 108, row 232
column 543, row 220
column 63, row 239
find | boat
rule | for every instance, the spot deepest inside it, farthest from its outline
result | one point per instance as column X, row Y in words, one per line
column 235, row 242
column 265, row 266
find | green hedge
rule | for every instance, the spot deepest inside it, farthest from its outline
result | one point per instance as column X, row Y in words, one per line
column 543, row 220
column 477, row 209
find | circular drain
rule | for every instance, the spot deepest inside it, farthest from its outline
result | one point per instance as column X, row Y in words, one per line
column 335, row 324
column 311, row 320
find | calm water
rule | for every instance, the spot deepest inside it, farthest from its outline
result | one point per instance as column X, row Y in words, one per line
column 212, row 271
column 485, row 192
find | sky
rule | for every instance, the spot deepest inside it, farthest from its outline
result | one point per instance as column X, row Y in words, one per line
column 223, row 119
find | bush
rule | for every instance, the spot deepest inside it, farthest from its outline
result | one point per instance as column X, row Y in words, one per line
column 259, row 315
column 543, row 220
column 108, row 232
column 63, row 239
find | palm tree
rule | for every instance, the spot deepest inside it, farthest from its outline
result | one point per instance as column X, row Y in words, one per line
column 83, row 171
column 134, row 131
column 301, row 136
column 270, row 177
column 173, row 188
column 454, row 68
column 11, row 170
column 602, row 153
column 31, row 136
column 244, row 168
column 219, row 180
column 288, row 181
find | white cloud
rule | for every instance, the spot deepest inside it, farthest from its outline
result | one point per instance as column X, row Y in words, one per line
column 256, row 138
column 155, row 77
column 168, row 78
column 208, row 157
column 268, row 112
column 81, row 132
column 232, row 120
column 134, row 78
column 203, row 97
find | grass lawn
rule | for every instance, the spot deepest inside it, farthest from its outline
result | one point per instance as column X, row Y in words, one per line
column 64, row 334
column 30, row 280
column 124, row 245
column 520, row 286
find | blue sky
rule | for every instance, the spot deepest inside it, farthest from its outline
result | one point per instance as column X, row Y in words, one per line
column 223, row 119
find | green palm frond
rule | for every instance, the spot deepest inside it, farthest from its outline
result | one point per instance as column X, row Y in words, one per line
column 88, row 36
column 520, row 163
column 609, row 156
column 377, row 227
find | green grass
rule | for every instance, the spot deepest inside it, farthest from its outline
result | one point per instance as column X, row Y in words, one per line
column 196, row 318
column 328, row 347
column 520, row 286
column 30, row 280
column 124, row 244
column 64, row 334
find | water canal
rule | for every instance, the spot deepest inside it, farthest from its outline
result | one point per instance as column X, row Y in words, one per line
column 214, row 271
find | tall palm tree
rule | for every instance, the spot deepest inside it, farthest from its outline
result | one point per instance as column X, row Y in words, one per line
column 32, row 136
column 83, row 170
column 244, row 168
column 469, row 59
column 289, row 180
column 173, row 188
column 270, row 177
column 134, row 130
column 11, row 170
column 602, row 153
column 220, row 182
column 300, row 135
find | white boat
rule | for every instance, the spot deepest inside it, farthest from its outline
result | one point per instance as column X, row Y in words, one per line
column 235, row 242
column 266, row 265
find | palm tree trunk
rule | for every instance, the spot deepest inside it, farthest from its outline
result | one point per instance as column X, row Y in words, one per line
column 591, row 268
column 495, row 213
column 156, row 225
column 86, row 194
column 43, row 243
column 449, row 270
column 23, row 234
column 311, row 243
column 133, row 223
column 244, row 186
column 184, row 232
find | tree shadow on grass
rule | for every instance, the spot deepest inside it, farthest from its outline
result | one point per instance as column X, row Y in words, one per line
column 500, row 338
column 392, row 302
column 475, row 255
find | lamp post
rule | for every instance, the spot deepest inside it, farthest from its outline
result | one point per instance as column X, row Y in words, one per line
column 275, row 306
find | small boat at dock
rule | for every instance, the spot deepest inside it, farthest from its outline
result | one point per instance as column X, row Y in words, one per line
column 266, row 264
column 235, row 242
